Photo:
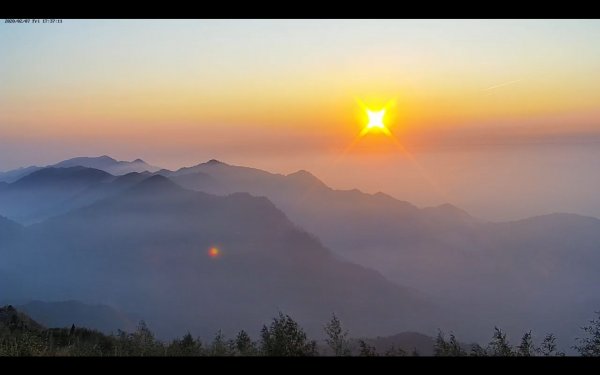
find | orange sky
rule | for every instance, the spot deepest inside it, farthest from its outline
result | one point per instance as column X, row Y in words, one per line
column 282, row 94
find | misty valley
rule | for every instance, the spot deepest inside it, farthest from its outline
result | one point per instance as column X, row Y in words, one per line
column 92, row 246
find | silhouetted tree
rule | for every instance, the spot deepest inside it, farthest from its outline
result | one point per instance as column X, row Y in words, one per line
column 244, row 344
column 548, row 347
column 366, row 350
column 221, row 347
column 478, row 351
column 449, row 348
column 455, row 349
column 395, row 352
column 185, row 347
column 590, row 346
column 499, row 345
column 440, row 347
column 337, row 337
column 285, row 338
column 143, row 342
column 526, row 348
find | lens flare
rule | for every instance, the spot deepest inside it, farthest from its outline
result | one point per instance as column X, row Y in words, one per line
column 213, row 252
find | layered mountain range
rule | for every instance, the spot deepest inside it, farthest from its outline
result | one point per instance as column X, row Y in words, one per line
column 105, row 163
column 138, row 240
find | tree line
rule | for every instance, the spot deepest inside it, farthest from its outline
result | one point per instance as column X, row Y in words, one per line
column 282, row 337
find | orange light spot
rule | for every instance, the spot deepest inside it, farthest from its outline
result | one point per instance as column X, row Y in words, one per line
column 213, row 252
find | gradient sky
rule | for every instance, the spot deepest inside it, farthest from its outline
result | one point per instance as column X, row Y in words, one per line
column 281, row 95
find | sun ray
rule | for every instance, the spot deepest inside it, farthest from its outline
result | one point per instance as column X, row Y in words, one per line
column 376, row 124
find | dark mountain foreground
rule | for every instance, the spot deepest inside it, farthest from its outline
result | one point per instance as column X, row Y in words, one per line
column 103, row 318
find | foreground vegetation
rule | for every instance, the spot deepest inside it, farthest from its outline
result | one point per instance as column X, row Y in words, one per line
column 21, row 336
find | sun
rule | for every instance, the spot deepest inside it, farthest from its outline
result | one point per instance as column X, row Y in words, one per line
column 375, row 119
column 375, row 122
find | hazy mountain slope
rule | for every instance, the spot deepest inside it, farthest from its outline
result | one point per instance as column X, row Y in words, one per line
column 70, row 178
column 52, row 191
column 44, row 193
column 66, row 313
column 145, row 251
column 538, row 273
column 226, row 179
column 104, row 163
column 9, row 230
column 361, row 227
column 108, row 164
column 305, row 198
column 343, row 219
column 11, row 319
column 15, row 174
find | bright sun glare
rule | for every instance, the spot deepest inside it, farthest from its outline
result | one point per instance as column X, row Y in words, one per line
column 375, row 119
column 375, row 122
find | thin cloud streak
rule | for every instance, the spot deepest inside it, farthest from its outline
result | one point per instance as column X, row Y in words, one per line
column 502, row 84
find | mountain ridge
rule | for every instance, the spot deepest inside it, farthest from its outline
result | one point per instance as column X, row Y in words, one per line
column 104, row 162
column 509, row 268
column 443, row 251
column 61, row 314
column 145, row 249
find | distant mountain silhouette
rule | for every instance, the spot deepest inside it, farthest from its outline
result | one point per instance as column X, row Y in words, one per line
column 71, row 178
column 15, row 174
column 306, row 179
column 108, row 164
column 47, row 192
column 52, row 191
column 66, row 313
column 145, row 250
column 538, row 273
column 12, row 319
column 508, row 274
column 157, row 184
column 131, row 179
column 104, row 163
